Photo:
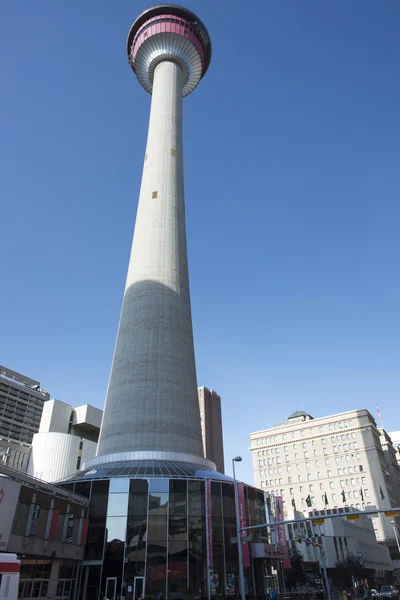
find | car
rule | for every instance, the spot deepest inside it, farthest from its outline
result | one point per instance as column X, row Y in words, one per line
column 388, row 591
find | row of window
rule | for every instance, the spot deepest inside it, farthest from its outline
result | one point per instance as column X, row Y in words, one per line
column 279, row 481
column 313, row 430
column 338, row 459
column 346, row 447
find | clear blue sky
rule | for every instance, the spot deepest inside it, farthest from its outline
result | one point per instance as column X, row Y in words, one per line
column 292, row 158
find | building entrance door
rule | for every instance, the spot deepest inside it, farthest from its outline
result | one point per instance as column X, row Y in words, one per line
column 138, row 588
column 111, row 588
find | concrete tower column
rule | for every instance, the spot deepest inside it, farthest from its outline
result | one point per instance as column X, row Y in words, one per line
column 152, row 395
column 152, row 410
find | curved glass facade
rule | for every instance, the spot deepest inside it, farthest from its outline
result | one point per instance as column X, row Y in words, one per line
column 171, row 535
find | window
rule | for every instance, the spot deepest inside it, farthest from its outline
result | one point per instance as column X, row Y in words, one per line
column 286, row 449
column 339, row 471
column 366, row 492
column 318, row 474
column 337, row 460
column 327, row 461
column 329, row 473
column 298, row 477
column 260, row 462
column 311, row 488
column 315, row 453
column 347, row 458
column 269, row 461
column 358, row 456
column 321, row 430
column 313, row 442
column 312, row 500
column 304, row 444
column 323, row 441
column 362, row 480
column 308, row 476
column 355, row 446
column 289, row 480
column 294, row 446
column 353, row 435
column 317, row 463
column 302, row 432
column 331, row 485
column 305, row 454
column 280, row 481
column 345, row 447
column 325, row 450
column 361, row 468
column 301, row 488
column 298, row 467
column 321, row 486
column 291, row 491
column 288, row 468
column 352, row 481
column 355, row 494
column 333, row 497
column 296, row 456
column 287, row 457
column 276, row 450
column 335, row 448
column 308, row 466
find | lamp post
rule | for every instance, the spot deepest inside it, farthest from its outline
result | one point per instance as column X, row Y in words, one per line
column 238, row 535
column 395, row 535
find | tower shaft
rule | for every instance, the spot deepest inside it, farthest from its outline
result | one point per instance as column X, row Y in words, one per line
column 152, row 407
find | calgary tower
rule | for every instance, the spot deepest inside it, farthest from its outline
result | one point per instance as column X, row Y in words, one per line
column 151, row 410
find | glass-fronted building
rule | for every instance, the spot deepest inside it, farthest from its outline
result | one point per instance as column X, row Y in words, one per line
column 169, row 527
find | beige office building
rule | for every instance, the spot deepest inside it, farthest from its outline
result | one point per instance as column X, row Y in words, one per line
column 333, row 462
column 211, row 427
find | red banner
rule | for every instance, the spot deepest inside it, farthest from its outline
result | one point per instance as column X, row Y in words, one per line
column 242, row 519
column 281, row 533
column 209, row 525
column 85, row 526
column 53, row 525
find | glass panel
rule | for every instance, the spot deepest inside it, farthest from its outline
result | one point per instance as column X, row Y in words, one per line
column 36, row 589
column 114, row 552
column 157, row 540
column 177, row 545
column 116, row 528
column 97, row 520
column 117, row 505
column 159, row 485
column 119, row 484
column 43, row 589
column 60, row 588
column 136, row 535
column 90, row 583
column 67, row 588
column 197, row 538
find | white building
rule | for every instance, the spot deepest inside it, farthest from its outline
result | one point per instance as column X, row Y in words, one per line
column 67, row 438
column 341, row 538
column 333, row 462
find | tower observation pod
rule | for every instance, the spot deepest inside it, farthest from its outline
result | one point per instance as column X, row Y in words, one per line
column 152, row 410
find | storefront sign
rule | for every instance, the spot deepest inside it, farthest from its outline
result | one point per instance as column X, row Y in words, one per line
column 209, row 525
column 70, row 528
column 281, row 541
column 242, row 519
column 260, row 550
column 35, row 520
column 9, row 494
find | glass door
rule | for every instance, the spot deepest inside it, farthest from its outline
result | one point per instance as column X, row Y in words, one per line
column 111, row 588
column 138, row 588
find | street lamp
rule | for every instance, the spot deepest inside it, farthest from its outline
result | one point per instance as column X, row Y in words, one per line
column 239, row 541
column 395, row 535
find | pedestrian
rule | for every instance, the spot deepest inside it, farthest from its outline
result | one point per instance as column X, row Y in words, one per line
column 160, row 596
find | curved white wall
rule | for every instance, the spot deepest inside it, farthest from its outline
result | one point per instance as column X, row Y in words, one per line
column 54, row 455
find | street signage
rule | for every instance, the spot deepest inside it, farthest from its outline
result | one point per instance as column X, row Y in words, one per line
column 318, row 521
column 353, row 517
column 391, row 513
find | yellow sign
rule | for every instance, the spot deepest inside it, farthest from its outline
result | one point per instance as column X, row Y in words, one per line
column 353, row 517
column 318, row 521
column 391, row 513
